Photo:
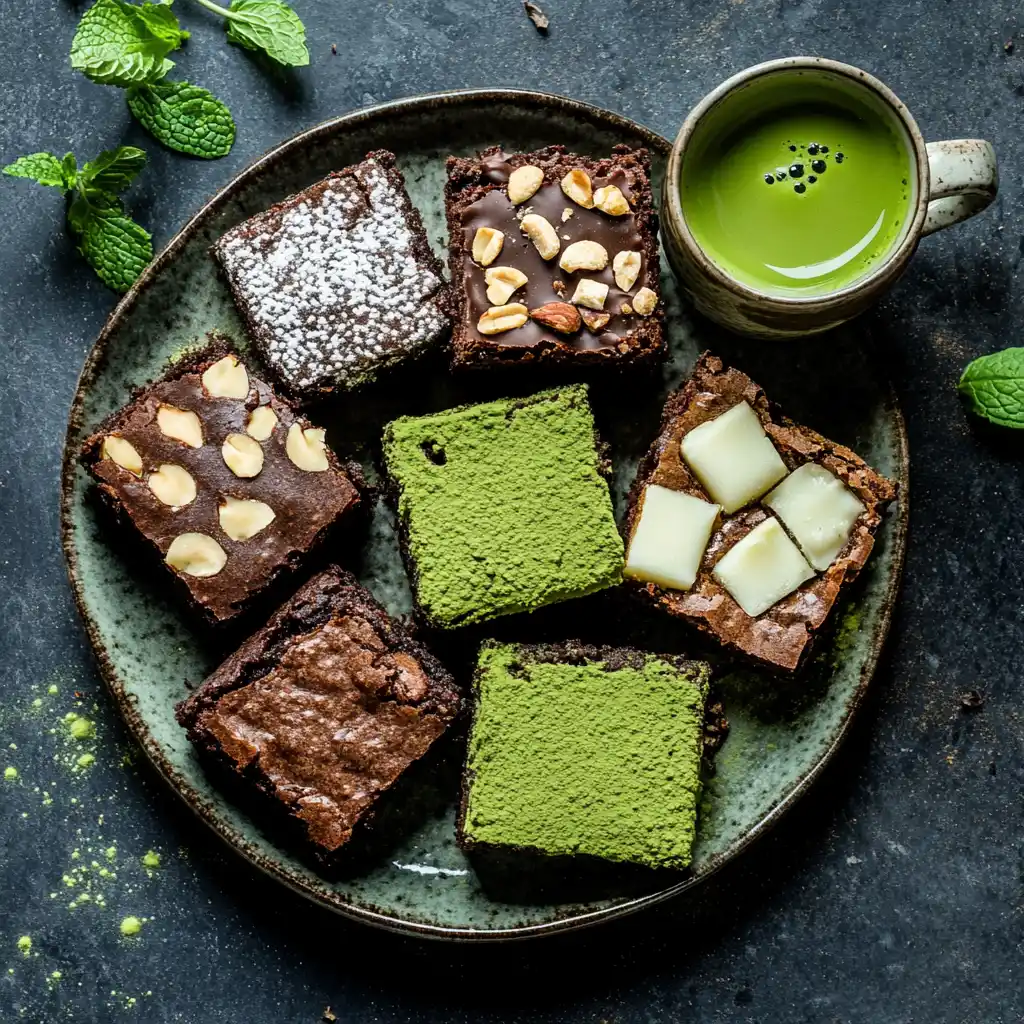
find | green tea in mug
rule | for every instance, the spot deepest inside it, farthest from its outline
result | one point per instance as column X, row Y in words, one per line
column 798, row 184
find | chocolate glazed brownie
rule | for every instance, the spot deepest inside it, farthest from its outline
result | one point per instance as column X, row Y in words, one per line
column 322, row 711
column 591, row 297
column 779, row 638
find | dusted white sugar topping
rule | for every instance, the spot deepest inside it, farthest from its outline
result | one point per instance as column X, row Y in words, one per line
column 670, row 538
column 733, row 457
column 763, row 568
column 818, row 509
column 332, row 285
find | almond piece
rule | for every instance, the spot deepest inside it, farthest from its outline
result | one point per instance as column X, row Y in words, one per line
column 644, row 301
column 226, row 378
column 243, row 455
column 173, row 485
column 196, row 554
column 122, row 453
column 577, row 186
column 559, row 316
column 627, row 268
column 539, row 230
column 306, row 448
column 487, row 243
column 585, row 255
column 243, row 518
column 595, row 321
column 610, row 200
column 181, row 424
column 590, row 293
column 261, row 422
column 499, row 319
column 523, row 182
column 501, row 283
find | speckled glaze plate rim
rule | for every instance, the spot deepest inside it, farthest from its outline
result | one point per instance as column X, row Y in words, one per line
column 138, row 727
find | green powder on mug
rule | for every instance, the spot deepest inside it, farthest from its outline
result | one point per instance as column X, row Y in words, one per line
column 797, row 186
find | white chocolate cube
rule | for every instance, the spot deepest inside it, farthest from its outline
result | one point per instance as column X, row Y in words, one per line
column 762, row 568
column 819, row 510
column 670, row 538
column 733, row 457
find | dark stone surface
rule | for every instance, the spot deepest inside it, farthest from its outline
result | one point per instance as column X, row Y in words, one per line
column 892, row 894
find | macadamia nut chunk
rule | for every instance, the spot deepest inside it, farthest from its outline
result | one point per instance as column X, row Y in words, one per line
column 733, row 458
column 763, row 568
column 670, row 537
column 818, row 510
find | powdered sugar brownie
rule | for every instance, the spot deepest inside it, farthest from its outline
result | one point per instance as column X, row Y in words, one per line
column 339, row 281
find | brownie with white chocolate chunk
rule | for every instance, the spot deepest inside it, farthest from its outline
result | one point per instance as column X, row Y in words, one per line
column 337, row 282
column 222, row 477
column 554, row 258
column 746, row 525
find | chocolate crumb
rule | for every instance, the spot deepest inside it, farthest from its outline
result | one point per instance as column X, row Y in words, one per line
column 536, row 15
column 971, row 700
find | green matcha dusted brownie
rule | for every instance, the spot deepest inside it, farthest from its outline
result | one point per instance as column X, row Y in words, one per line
column 502, row 506
column 585, row 750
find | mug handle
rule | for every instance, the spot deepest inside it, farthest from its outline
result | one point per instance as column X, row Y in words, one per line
column 964, row 178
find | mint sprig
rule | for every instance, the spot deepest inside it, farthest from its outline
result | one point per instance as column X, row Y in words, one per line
column 184, row 117
column 994, row 387
column 112, row 243
column 266, row 26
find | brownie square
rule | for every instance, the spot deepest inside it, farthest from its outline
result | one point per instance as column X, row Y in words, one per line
column 780, row 638
column 222, row 477
column 590, row 751
column 339, row 281
column 322, row 711
column 477, row 196
column 502, row 506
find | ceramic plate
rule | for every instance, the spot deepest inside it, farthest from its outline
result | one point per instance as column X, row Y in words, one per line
column 782, row 734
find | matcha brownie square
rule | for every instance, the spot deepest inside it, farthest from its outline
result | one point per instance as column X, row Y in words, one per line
column 502, row 506
column 579, row 750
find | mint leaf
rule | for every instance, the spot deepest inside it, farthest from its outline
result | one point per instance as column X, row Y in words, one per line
column 112, row 243
column 184, row 117
column 270, row 26
column 994, row 387
column 42, row 168
column 113, row 170
column 69, row 167
column 118, row 43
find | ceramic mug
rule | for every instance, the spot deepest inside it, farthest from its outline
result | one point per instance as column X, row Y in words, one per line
column 953, row 181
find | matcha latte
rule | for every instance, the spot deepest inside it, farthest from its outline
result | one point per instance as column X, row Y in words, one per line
column 798, row 186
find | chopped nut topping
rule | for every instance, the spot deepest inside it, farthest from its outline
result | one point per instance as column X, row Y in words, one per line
column 625, row 309
column 173, row 485
column 610, row 200
column 644, row 301
column 243, row 518
column 181, row 424
column 567, row 214
column 523, row 182
column 595, row 321
column 558, row 287
column 559, row 316
column 243, row 455
column 196, row 554
column 590, row 293
column 487, row 243
column 306, row 448
column 577, row 186
column 542, row 234
column 226, row 378
column 627, row 268
column 502, row 282
column 121, row 452
column 499, row 319
column 261, row 423
column 585, row 255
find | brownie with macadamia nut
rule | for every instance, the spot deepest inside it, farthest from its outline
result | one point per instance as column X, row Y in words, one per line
column 222, row 477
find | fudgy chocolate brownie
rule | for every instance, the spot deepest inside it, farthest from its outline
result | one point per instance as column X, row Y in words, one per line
column 323, row 709
column 222, row 477
column 803, row 535
column 339, row 281
column 554, row 258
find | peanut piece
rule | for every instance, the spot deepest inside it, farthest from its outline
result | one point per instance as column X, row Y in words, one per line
column 243, row 455
column 306, row 448
column 122, row 453
column 501, row 283
column 523, row 182
column 487, row 243
column 627, row 268
column 644, row 301
column 577, row 186
column 499, row 319
column 261, row 422
column 542, row 234
column 226, row 378
column 610, row 200
column 173, row 485
column 590, row 293
column 243, row 518
column 585, row 255
column 196, row 554
column 181, row 424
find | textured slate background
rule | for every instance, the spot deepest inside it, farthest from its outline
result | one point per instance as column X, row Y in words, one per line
column 893, row 894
